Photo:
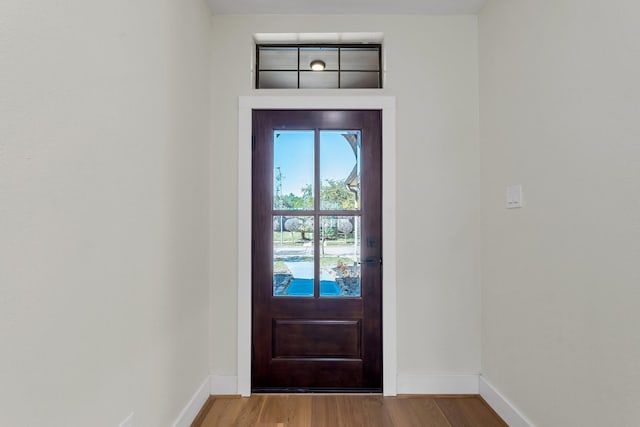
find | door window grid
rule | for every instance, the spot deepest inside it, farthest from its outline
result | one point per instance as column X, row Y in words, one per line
column 316, row 234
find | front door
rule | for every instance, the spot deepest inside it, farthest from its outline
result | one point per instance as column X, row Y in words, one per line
column 317, row 245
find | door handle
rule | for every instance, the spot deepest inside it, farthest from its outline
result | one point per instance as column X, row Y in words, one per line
column 373, row 261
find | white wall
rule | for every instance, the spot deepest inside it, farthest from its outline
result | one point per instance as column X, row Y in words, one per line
column 559, row 102
column 103, row 210
column 432, row 71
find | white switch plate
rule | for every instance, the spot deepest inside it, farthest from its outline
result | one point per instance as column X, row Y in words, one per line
column 514, row 197
column 128, row 422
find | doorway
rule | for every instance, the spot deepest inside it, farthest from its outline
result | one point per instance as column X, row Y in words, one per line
column 317, row 250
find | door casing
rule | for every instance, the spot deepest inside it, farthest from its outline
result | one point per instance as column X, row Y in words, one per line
column 387, row 105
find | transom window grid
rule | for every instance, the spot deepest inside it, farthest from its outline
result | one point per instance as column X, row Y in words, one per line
column 286, row 66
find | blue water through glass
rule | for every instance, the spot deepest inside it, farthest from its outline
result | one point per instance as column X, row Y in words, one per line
column 304, row 287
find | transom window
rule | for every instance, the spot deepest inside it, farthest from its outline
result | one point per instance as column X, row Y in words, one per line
column 318, row 66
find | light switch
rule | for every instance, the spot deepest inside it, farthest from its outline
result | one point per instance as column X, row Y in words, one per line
column 514, row 197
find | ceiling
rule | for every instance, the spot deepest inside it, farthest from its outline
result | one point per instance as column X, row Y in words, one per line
column 345, row 7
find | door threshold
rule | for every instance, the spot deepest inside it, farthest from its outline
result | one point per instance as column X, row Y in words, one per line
column 314, row 390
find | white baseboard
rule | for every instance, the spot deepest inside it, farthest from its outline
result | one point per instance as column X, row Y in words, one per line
column 509, row 413
column 224, row 384
column 438, row 384
column 196, row 402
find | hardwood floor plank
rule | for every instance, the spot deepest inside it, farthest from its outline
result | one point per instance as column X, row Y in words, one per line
column 416, row 411
column 363, row 411
column 324, row 411
column 333, row 410
column 468, row 413
column 491, row 410
column 199, row 419
column 286, row 411
column 250, row 412
column 223, row 412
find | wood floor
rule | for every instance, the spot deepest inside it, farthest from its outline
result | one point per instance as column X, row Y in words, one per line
column 318, row 410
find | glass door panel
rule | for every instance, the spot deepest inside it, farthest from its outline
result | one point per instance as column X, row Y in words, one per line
column 297, row 271
column 340, row 170
column 340, row 256
column 293, row 170
column 293, row 256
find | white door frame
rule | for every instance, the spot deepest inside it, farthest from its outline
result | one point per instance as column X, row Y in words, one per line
column 388, row 106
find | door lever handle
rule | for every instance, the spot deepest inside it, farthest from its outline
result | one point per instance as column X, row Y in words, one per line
column 372, row 261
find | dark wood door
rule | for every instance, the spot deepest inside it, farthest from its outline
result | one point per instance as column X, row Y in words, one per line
column 317, row 246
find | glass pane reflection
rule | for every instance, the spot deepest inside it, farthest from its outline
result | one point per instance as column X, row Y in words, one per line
column 278, row 79
column 359, row 59
column 319, row 80
column 356, row 79
column 278, row 58
column 340, row 170
column 340, row 256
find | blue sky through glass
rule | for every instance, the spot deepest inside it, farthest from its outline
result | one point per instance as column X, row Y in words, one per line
column 293, row 153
